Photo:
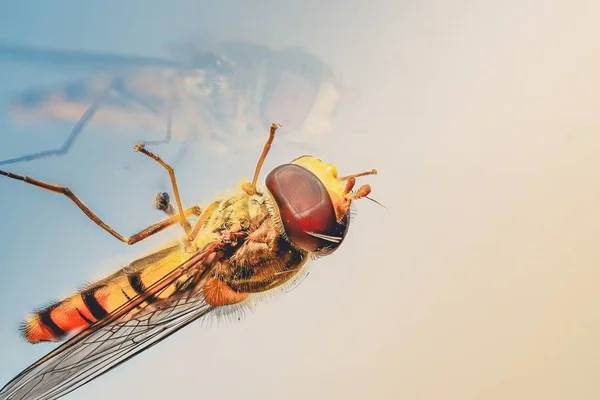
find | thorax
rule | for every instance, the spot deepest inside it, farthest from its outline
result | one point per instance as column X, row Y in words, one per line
column 259, row 257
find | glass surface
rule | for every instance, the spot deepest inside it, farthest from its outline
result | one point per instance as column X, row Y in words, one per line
column 479, row 278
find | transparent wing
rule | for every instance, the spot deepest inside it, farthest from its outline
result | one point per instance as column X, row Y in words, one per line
column 110, row 342
column 128, row 92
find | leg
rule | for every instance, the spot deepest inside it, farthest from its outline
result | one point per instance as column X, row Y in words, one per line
column 84, row 121
column 66, row 146
column 151, row 230
column 141, row 148
column 120, row 90
column 251, row 188
column 170, row 105
column 162, row 202
column 178, row 98
column 206, row 213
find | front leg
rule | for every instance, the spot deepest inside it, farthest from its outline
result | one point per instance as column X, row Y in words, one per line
column 68, row 193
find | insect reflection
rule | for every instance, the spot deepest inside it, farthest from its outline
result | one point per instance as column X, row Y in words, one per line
column 222, row 94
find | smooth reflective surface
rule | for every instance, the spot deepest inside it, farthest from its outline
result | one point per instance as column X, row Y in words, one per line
column 478, row 280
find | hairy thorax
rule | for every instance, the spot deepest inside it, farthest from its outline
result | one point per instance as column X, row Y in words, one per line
column 257, row 256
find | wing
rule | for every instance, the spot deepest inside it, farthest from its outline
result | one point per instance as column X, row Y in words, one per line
column 145, row 94
column 106, row 344
column 104, row 62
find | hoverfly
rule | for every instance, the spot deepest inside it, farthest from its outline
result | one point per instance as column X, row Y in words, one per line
column 206, row 91
column 237, row 248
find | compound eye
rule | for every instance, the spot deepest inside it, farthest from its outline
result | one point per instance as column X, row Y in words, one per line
column 306, row 209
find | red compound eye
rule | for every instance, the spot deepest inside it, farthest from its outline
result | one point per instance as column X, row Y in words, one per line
column 306, row 209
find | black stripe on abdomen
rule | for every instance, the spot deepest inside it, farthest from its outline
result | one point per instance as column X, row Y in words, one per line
column 89, row 299
column 83, row 317
column 136, row 283
column 48, row 322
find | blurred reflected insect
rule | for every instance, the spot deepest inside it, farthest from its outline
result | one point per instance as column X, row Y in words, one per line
column 237, row 248
column 222, row 94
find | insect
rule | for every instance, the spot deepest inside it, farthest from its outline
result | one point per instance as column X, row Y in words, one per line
column 205, row 92
column 237, row 248
column 127, row 92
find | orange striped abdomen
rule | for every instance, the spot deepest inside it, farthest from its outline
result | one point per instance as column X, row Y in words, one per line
column 96, row 302
column 72, row 314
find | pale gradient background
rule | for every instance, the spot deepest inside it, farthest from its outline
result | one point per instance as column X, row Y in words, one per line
column 480, row 280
